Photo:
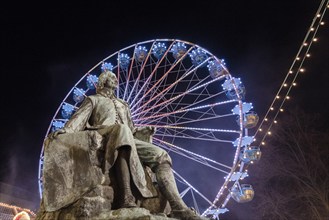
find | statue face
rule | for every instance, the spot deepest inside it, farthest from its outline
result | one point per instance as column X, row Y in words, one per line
column 112, row 81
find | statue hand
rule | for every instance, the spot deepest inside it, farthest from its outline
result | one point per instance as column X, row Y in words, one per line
column 151, row 129
column 53, row 135
column 146, row 130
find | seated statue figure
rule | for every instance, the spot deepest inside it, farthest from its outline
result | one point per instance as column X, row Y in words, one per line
column 107, row 120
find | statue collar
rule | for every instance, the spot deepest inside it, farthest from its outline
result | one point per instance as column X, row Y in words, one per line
column 109, row 93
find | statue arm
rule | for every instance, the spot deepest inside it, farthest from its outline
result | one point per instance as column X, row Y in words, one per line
column 130, row 121
column 142, row 133
column 80, row 118
column 78, row 121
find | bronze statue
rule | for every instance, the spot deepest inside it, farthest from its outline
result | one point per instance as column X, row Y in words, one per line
column 110, row 117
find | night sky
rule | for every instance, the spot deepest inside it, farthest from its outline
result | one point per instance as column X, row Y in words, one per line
column 46, row 49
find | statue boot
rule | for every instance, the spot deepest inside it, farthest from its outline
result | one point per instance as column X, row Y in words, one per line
column 168, row 188
column 123, row 177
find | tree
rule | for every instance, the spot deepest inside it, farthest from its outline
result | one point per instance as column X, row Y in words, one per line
column 292, row 178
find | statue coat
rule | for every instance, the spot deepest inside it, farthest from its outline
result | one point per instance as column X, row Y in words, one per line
column 108, row 117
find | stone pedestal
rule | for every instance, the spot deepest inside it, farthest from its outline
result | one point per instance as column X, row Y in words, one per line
column 76, row 187
column 132, row 214
column 93, row 203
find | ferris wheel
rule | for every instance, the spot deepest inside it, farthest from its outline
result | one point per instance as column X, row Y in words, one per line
column 198, row 109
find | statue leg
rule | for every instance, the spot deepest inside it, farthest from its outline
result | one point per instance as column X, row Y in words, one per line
column 160, row 163
column 123, row 176
column 168, row 188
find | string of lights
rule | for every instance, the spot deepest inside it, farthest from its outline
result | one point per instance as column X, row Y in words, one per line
column 297, row 67
column 276, row 107
column 5, row 205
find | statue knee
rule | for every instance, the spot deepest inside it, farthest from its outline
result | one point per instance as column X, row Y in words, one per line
column 163, row 162
column 123, row 130
column 164, row 158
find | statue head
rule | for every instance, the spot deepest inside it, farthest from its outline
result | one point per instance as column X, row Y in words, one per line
column 107, row 79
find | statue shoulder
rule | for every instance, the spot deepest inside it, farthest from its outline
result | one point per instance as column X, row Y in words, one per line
column 123, row 102
column 94, row 98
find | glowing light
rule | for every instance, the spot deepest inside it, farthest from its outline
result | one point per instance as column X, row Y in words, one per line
column 106, row 66
column 275, row 122
column 269, row 132
column 246, row 107
column 305, row 44
column 290, row 71
column 302, row 70
column 285, row 85
column 260, row 129
column 277, row 97
column 272, row 108
column 281, row 110
column 266, row 119
column 239, row 94
column 322, row 23
column 159, row 49
column 288, row 97
column 246, row 140
column 312, row 29
column 21, row 215
column 198, row 56
column 140, row 53
column 57, row 125
column 230, row 83
column 318, row 15
column 178, row 50
column 294, row 84
column 308, row 55
column 315, row 39
column 216, row 68
column 124, row 60
column 67, row 110
column 91, row 81
column 263, row 143
column 78, row 95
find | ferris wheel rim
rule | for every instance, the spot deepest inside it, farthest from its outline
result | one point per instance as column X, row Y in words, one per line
column 238, row 148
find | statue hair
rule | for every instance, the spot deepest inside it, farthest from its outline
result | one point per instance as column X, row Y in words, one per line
column 102, row 79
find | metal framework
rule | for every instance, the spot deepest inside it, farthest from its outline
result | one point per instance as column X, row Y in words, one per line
column 196, row 105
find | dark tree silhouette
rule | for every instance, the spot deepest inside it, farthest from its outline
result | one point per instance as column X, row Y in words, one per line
column 291, row 180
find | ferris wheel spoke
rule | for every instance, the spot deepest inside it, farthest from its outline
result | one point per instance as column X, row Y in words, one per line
column 207, row 136
column 194, row 159
column 148, row 79
column 183, row 105
column 165, row 74
column 172, row 85
column 196, row 138
column 139, row 72
column 157, row 96
column 198, row 129
column 184, row 110
column 181, row 97
column 194, row 156
column 192, row 187
column 161, row 83
column 127, row 78
column 178, row 96
column 188, row 121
